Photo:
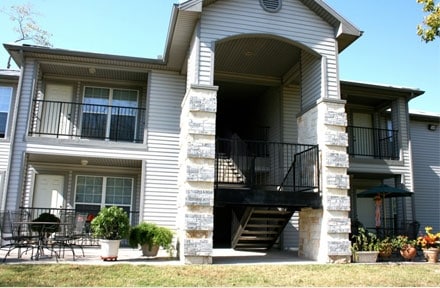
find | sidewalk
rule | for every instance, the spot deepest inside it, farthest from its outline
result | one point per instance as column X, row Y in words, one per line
column 134, row 256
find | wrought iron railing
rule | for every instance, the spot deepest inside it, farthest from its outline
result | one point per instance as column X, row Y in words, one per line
column 373, row 143
column 88, row 121
column 303, row 174
column 264, row 164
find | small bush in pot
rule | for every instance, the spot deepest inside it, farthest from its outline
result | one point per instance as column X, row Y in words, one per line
column 151, row 236
column 111, row 225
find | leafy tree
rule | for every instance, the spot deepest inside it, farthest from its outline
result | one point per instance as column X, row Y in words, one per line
column 430, row 27
column 23, row 16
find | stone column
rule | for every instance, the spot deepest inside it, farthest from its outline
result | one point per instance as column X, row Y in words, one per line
column 196, row 179
column 324, row 232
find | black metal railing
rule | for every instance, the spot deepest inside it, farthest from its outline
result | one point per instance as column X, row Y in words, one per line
column 90, row 121
column 260, row 163
column 373, row 143
column 303, row 174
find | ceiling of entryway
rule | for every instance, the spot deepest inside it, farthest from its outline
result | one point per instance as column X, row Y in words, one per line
column 255, row 60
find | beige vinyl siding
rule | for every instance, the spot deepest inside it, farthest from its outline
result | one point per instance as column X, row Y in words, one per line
column 294, row 21
column 426, row 170
column 165, row 95
column 18, row 153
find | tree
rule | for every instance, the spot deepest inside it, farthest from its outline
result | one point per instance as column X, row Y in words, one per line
column 430, row 27
column 26, row 26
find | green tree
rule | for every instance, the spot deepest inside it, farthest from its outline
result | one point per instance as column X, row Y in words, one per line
column 429, row 29
column 23, row 17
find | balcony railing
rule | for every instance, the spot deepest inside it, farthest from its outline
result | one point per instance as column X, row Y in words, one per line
column 373, row 143
column 70, row 120
column 265, row 164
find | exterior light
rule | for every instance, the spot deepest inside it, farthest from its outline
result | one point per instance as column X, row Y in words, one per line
column 432, row 127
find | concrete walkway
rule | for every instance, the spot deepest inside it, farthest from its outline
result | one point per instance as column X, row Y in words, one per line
column 134, row 256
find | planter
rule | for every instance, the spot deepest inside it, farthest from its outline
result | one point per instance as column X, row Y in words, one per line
column 408, row 253
column 431, row 254
column 146, row 251
column 366, row 256
column 109, row 249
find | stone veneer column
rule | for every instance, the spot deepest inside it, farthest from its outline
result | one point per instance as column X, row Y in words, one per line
column 324, row 233
column 196, row 179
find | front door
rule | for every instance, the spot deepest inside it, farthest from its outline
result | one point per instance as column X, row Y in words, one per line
column 48, row 191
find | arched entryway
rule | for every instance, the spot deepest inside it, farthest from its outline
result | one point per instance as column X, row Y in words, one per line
column 259, row 94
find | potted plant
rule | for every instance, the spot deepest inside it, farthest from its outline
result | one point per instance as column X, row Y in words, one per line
column 111, row 225
column 150, row 237
column 365, row 246
column 386, row 248
column 430, row 243
column 405, row 246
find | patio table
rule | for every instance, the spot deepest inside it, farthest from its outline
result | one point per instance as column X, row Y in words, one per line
column 43, row 230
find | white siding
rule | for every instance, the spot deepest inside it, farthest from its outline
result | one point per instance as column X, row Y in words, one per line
column 165, row 95
column 294, row 21
column 426, row 172
column 291, row 108
column 4, row 155
column 14, row 191
column 311, row 80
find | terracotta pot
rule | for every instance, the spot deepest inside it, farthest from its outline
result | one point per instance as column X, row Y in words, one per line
column 146, row 251
column 409, row 252
column 431, row 254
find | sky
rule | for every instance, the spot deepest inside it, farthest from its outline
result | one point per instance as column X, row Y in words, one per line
column 389, row 52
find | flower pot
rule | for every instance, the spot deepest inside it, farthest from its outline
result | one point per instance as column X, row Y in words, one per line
column 146, row 251
column 409, row 252
column 109, row 249
column 431, row 254
column 366, row 256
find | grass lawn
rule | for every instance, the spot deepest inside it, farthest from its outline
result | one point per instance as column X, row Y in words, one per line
column 222, row 275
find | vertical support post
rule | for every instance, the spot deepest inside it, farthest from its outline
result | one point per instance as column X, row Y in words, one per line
column 197, row 168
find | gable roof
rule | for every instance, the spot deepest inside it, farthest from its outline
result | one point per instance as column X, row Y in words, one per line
column 345, row 32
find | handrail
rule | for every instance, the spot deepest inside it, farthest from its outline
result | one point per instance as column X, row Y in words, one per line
column 305, row 178
column 69, row 120
column 373, row 142
column 255, row 163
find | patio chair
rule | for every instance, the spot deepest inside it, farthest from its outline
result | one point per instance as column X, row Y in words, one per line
column 72, row 229
column 16, row 232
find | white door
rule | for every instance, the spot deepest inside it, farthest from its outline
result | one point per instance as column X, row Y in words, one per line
column 49, row 191
column 57, row 112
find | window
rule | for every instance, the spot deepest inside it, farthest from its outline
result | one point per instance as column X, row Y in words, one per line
column 109, row 113
column 95, row 192
column 5, row 104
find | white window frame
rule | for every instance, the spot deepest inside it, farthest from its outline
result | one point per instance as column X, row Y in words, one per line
column 109, row 112
column 104, row 191
column 11, row 88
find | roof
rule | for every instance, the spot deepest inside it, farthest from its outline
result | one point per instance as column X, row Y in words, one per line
column 345, row 32
column 9, row 74
column 424, row 115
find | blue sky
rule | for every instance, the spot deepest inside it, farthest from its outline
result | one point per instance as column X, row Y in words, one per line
column 389, row 52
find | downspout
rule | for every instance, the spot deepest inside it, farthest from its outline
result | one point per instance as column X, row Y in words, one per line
column 413, row 206
column 13, row 130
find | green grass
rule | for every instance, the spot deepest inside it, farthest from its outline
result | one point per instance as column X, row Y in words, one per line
column 221, row 275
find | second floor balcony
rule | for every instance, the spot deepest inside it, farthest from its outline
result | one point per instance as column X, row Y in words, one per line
column 373, row 143
column 69, row 120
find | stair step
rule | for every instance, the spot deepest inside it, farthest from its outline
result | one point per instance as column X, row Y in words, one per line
column 263, row 225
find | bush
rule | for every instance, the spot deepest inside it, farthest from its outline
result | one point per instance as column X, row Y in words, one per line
column 111, row 223
column 150, row 234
